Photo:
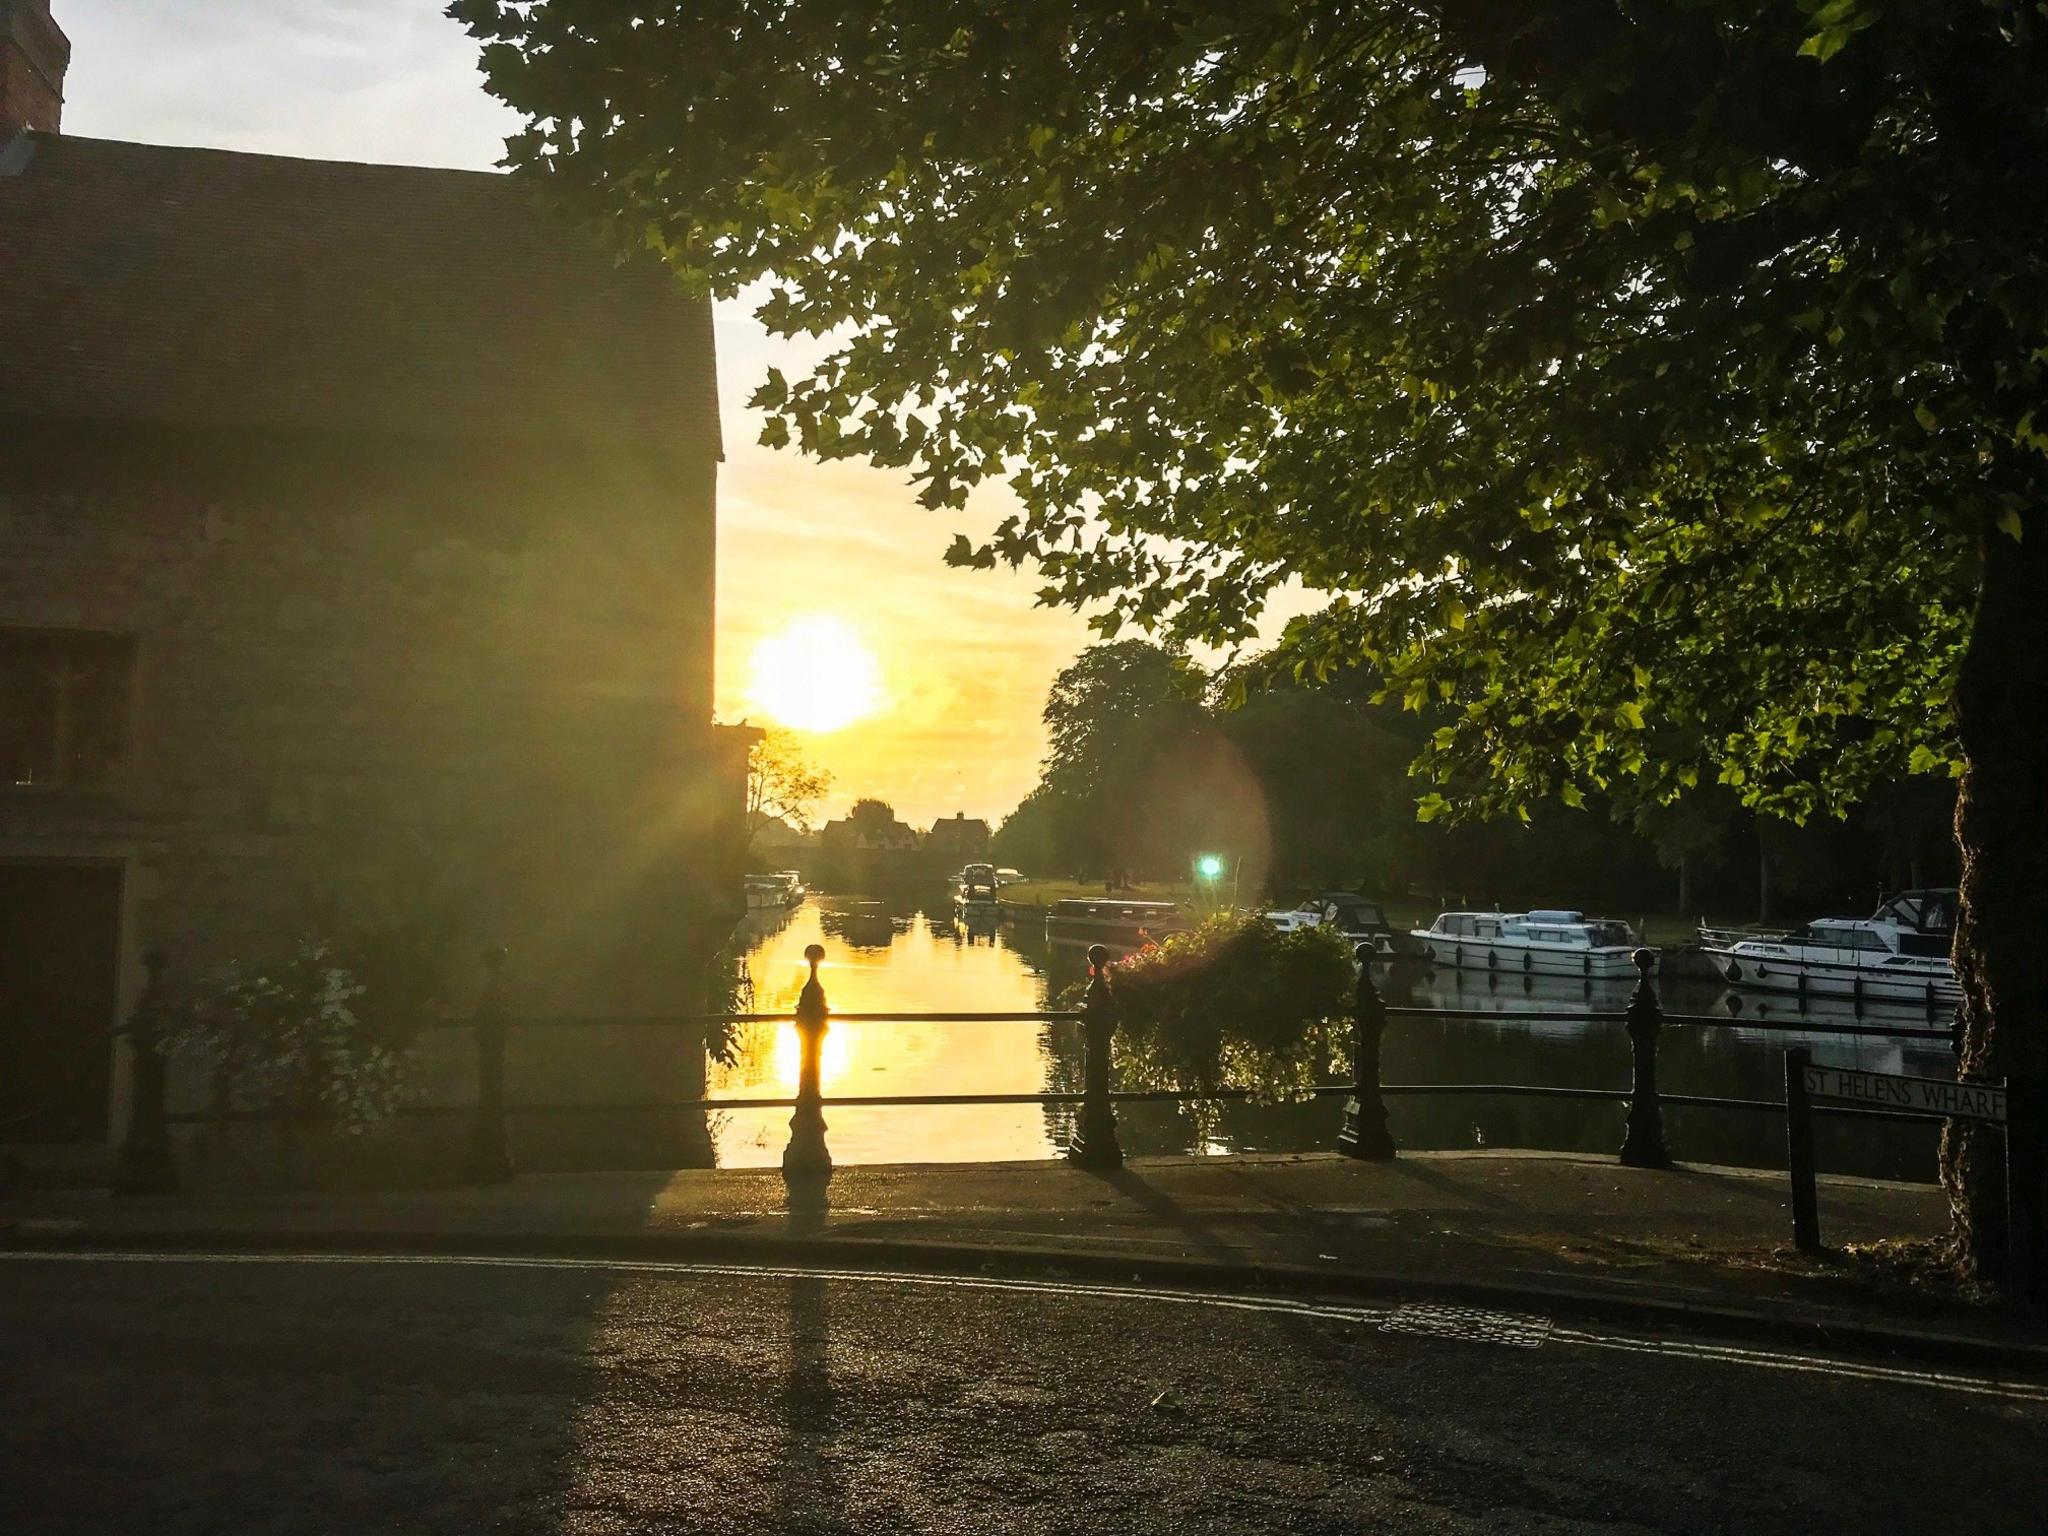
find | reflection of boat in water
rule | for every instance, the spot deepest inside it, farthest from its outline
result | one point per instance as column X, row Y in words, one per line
column 1537, row 943
column 1501, row 992
column 1119, row 924
column 1899, row 953
column 1867, row 1054
column 1822, row 1011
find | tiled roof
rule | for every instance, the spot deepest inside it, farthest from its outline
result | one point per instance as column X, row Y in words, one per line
column 197, row 286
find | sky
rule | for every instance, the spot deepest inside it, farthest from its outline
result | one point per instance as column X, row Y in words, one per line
column 961, row 660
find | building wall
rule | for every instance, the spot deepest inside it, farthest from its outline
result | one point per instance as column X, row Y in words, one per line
column 377, row 683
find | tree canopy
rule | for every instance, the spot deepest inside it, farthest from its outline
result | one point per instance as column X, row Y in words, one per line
column 1659, row 387
column 1643, row 387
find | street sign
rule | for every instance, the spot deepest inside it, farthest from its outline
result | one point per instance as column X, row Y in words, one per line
column 1907, row 1095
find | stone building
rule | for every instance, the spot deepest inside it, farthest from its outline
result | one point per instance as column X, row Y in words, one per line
column 356, row 569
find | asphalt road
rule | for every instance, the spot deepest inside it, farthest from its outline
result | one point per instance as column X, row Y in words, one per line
column 187, row 1395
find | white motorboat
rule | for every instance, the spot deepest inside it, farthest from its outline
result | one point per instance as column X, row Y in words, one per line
column 783, row 888
column 1294, row 920
column 974, row 892
column 1539, row 943
column 1899, row 954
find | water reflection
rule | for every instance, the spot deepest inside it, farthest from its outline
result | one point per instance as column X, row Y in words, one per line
column 909, row 952
column 885, row 954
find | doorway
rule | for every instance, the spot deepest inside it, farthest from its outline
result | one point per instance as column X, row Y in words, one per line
column 60, row 964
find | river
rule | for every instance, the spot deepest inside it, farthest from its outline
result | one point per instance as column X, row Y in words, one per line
column 905, row 952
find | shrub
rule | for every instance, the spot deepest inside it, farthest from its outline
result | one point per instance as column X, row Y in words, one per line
column 322, row 1036
column 1235, row 1002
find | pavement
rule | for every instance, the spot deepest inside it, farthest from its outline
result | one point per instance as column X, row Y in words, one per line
column 1703, row 1248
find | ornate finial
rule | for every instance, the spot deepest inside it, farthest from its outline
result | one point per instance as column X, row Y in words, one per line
column 1644, row 959
column 1098, row 959
column 815, row 953
column 1364, row 953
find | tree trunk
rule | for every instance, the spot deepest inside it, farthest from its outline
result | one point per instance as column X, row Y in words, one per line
column 2001, row 962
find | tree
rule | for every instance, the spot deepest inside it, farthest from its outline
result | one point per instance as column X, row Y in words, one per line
column 1661, row 390
column 872, row 816
column 1117, row 719
column 781, row 784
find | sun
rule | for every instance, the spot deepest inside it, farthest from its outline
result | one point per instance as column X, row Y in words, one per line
column 814, row 674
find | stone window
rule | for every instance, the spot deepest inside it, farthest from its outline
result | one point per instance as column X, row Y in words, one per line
column 63, row 707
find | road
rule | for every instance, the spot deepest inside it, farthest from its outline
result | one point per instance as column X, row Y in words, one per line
column 186, row 1394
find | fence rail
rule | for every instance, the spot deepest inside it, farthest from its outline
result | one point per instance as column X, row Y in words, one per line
column 147, row 1161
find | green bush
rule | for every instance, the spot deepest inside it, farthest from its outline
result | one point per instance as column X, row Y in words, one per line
column 323, row 1034
column 1235, row 1003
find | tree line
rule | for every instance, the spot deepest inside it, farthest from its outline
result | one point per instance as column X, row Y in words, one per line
column 1154, row 760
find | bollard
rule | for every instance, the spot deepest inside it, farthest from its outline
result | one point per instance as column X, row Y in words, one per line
column 490, row 1143
column 1643, row 1146
column 1365, row 1134
column 1094, row 1145
column 1799, row 1151
column 805, row 1159
column 146, row 1165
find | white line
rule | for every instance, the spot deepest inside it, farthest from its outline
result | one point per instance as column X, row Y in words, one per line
column 1984, row 1386
column 1723, row 1354
column 1325, row 1311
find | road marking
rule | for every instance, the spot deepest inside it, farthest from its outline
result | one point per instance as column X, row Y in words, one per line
column 1474, row 1325
column 1330, row 1312
column 1402, row 1319
column 1769, row 1360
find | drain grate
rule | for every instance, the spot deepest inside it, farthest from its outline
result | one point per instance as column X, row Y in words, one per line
column 1518, row 1330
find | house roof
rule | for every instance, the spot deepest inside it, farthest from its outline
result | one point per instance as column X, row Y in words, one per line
column 197, row 286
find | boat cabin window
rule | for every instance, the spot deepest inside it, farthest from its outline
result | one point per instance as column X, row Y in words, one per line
column 1842, row 936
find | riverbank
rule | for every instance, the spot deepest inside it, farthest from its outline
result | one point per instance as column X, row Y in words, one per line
column 1027, row 899
column 1701, row 1245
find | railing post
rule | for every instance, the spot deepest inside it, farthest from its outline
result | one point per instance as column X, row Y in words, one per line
column 146, row 1165
column 805, row 1159
column 1365, row 1134
column 1094, row 1145
column 490, row 1143
column 1643, row 1146
column 1799, row 1151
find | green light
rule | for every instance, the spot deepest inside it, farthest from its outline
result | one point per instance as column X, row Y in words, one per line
column 1209, row 865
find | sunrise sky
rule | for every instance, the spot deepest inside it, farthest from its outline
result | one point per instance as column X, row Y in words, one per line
column 961, row 661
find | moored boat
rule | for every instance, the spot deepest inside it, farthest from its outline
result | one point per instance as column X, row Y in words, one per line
column 1544, row 942
column 783, row 888
column 1898, row 954
column 974, row 892
column 1127, row 924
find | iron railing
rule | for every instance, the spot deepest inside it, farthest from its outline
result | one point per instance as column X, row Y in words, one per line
column 147, row 1163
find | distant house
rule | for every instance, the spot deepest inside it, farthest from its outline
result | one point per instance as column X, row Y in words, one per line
column 356, row 563
column 870, row 836
column 961, row 837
